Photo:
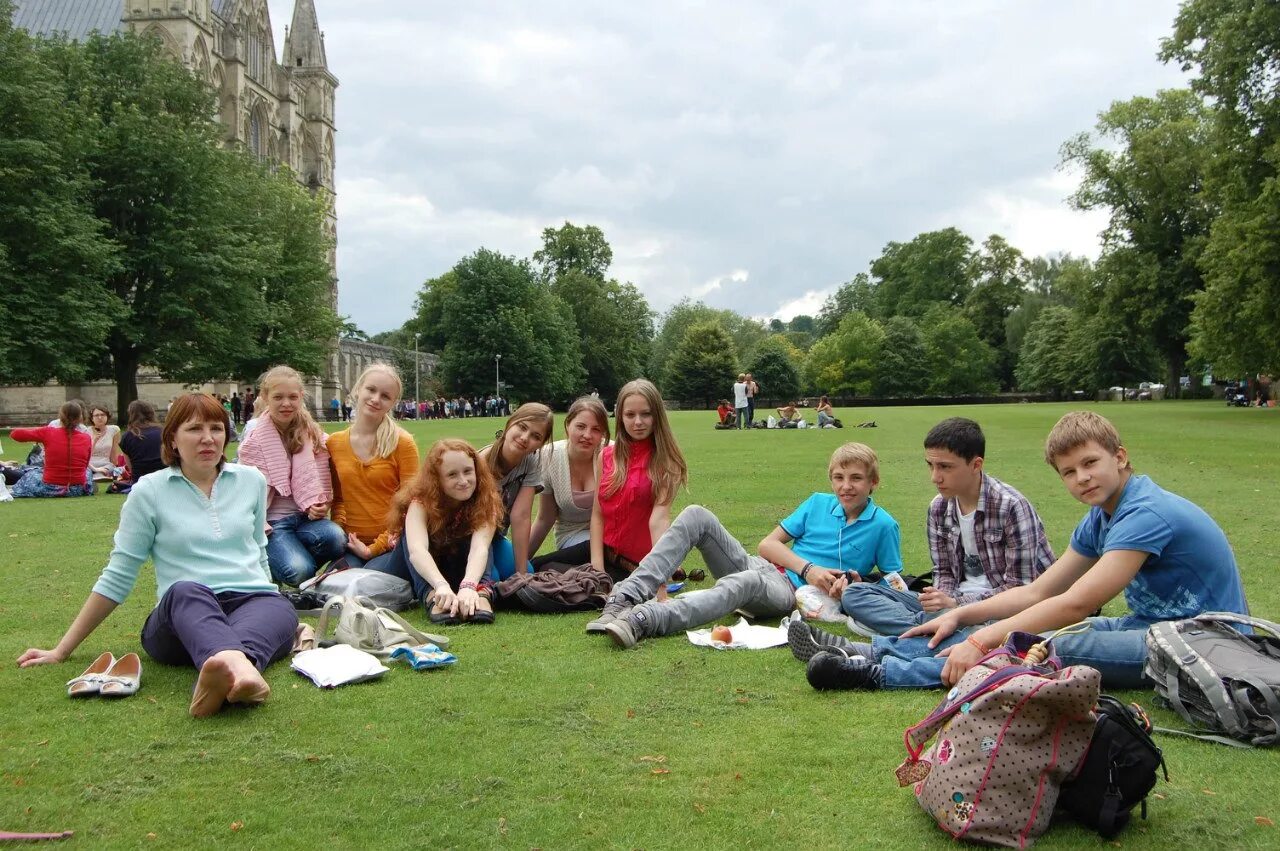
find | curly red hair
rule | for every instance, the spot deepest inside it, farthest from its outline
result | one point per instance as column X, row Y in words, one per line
column 446, row 518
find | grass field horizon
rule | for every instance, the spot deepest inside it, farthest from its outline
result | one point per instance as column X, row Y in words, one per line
column 543, row 737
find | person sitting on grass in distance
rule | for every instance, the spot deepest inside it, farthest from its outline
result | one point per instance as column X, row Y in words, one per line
column 570, row 477
column 289, row 448
column 826, row 413
column 218, row 609
column 370, row 462
column 446, row 517
column 725, row 412
column 106, row 444
column 639, row 477
column 67, row 448
column 984, row 538
column 141, row 442
column 836, row 538
column 788, row 412
column 1167, row 555
column 512, row 458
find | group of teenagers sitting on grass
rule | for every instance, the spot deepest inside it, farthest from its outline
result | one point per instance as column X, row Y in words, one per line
column 223, row 536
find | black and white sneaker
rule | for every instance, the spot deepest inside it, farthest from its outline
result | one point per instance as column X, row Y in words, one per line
column 834, row 671
column 805, row 640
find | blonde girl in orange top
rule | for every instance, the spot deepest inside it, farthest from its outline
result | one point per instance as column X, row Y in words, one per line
column 371, row 461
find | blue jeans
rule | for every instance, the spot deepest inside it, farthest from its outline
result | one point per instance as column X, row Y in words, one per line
column 882, row 609
column 1115, row 646
column 751, row 410
column 743, row 416
column 297, row 546
column 502, row 560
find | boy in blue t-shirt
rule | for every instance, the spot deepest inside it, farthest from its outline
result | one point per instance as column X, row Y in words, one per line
column 836, row 538
column 1165, row 553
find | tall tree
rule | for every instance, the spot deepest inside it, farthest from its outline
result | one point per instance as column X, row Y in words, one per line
column 1233, row 47
column 844, row 362
column 703, row 364
column 857, row 294
column 53, row 254
column 1049, row 362
column 1145, row 166
column 1000, row 285
column 960, row 363
column 746, row 333
column 935, row 267
column 499, row 307
column 573, row 248
column 614, row 323
column 901, row 369
column 220, row 265
column 774, row 368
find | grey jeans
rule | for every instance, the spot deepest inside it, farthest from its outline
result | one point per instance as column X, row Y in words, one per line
column 742, row 581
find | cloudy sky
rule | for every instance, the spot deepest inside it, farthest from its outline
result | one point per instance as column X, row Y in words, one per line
column 751, row 154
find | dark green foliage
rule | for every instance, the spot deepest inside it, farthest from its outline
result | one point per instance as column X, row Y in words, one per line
column 214, row 266
column 570, row 248
column 53, row 253
column 703, row 366
column 933, row 268
column 497, row 306
column 959, row 362
column 901, row 368
column 774, row 369
column 615, row 325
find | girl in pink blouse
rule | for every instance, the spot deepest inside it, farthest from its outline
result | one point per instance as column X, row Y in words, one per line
column 639, row 476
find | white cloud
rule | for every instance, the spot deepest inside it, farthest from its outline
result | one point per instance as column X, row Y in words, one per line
column 791, row 141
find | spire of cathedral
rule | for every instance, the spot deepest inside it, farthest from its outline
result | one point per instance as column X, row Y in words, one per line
column 304, row 43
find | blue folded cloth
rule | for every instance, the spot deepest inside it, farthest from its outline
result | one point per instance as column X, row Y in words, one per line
column 424, row 657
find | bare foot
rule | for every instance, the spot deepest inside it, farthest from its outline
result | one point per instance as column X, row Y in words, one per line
column 212, row 685
column 227, row 677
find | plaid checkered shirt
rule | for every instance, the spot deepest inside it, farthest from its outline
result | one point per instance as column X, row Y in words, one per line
column 1012, row 546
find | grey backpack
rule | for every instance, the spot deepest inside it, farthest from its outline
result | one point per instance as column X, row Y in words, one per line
column 383, row 589
column 1218, row 678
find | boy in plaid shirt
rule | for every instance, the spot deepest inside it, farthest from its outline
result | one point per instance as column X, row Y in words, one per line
column 984, row 537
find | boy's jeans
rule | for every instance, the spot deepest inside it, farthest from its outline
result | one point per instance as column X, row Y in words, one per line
column 883, row 610
column 1115, row 646
column 742, row 580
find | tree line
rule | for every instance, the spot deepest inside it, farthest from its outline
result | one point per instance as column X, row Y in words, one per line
column 131, row 236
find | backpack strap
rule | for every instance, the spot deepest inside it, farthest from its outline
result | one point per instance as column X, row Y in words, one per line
column 333, row 604
column 1232, row 617
column 1189, row 661
column 916, row 736
column 1204, row 737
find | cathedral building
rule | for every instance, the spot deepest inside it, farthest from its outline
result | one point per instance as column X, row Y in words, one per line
column 281, row 110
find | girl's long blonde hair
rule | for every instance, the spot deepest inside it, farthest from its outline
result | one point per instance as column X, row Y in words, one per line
column 534, row 412
column 388, row 433
column 667, row 468
column 303, row 425
column 446, row 519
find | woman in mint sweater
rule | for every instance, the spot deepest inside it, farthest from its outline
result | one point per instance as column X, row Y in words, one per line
column 202, row 523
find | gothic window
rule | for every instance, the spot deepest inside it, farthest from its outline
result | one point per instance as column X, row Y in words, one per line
column 255, row 134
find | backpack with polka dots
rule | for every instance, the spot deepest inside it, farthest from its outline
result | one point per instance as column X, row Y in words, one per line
column 1004, row 740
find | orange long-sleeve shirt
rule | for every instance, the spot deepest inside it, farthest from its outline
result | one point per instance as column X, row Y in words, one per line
column 362, row 491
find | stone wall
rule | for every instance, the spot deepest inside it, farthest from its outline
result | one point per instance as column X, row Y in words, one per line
column 36, row 405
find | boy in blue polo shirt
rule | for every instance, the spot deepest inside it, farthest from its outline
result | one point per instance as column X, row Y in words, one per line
column 836, row 538
column 1168, row 557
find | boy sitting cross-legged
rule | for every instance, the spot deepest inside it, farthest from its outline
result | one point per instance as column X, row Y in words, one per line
column 984, row 538
column 1165, row 553
column 836, row 535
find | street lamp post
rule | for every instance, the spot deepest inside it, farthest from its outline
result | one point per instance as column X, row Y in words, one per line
column 416, row 398
column 497, row 376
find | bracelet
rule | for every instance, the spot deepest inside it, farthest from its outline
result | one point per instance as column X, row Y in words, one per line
column 467, row 583
column 804, row 571
column 976, row 643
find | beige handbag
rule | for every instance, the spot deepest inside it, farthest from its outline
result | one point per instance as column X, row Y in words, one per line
column 371, row 628
column 1011, row 731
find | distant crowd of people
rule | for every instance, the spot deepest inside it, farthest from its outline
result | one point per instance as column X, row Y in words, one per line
column 441, row 408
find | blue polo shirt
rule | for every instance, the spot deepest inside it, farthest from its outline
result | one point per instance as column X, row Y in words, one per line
column 823, row 537
column 1191, row 568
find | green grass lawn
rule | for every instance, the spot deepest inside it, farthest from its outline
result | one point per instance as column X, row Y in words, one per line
column 544, row 737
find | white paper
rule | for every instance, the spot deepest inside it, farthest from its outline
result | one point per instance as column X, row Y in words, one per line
column 329, row 667
column 745, row 637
